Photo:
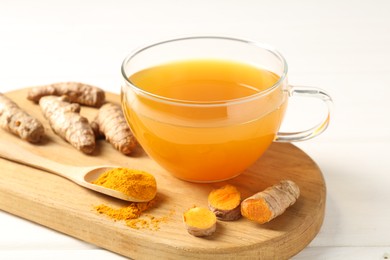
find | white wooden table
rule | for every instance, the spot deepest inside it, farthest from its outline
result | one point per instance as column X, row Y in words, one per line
column 341, row 46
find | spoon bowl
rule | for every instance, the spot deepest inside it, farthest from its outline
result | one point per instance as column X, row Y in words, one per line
column 83, row 176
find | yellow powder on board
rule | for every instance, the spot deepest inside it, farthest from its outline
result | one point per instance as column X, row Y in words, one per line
column 132, row 215
column 133, row 211
column 149, row 222
column 139, row 185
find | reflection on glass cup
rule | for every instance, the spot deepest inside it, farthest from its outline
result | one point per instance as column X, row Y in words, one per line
column 206, row 108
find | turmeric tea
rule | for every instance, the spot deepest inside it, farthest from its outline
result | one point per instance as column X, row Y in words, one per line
column 137, row 184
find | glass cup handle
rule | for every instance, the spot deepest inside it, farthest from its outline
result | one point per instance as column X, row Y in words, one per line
column 316, row 130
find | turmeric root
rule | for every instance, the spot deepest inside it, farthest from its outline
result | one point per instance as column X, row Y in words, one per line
column 15, row 120
column 65, row 120
column 95, row 128
column 112, row 124
column 270, row 203
column 225, row 203
column 200, row 221
column 80, row 93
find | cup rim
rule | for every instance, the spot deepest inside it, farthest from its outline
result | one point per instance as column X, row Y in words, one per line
column 181, row 102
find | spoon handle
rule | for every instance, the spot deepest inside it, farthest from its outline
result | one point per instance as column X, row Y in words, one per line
column 13, row 152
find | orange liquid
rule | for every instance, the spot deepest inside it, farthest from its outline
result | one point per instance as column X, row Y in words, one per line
column 208, row 143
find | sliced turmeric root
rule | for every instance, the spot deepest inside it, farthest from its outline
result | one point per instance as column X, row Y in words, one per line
column 200, row 221
column 225, row 203
column 264, row 206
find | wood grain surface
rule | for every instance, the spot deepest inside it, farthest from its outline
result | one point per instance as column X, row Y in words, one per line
column 59, row 204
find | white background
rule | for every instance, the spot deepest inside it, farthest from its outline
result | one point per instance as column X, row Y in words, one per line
column 342, row 46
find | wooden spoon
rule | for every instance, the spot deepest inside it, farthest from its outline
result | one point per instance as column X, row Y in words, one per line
column 83, row 176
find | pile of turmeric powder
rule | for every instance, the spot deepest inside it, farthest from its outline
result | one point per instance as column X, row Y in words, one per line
column 133, row 216
column 132, row 211
column 139, row 185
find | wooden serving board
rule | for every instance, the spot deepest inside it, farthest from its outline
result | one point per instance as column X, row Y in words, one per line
column 59, row 204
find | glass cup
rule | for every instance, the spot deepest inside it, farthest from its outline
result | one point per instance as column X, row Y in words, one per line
column 215, row 139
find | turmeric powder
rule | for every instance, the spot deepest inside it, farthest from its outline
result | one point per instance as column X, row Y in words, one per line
column 133, row 211
column 17, row 121
column 149, row 222
column 225, row 203
column 134, row 183
column 132, row 215
column 270, row 203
